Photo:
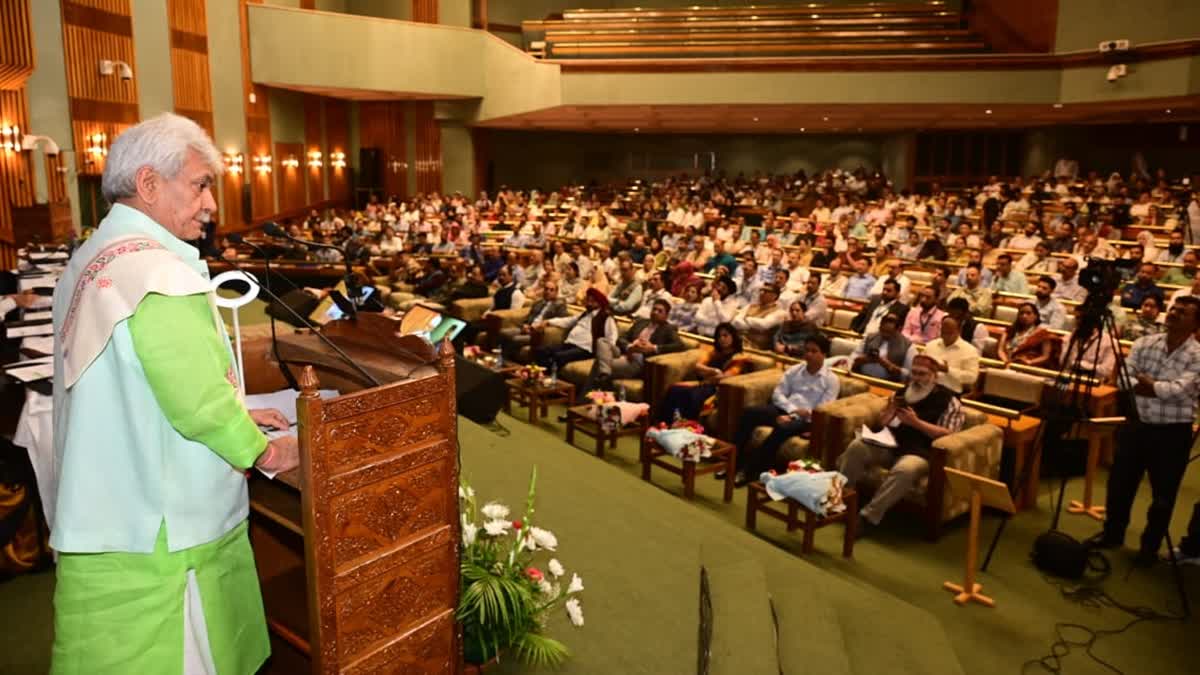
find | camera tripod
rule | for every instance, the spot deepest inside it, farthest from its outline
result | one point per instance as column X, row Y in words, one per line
column 1066, row 415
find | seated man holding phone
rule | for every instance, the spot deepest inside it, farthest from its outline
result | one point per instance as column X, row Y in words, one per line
column 916, row 416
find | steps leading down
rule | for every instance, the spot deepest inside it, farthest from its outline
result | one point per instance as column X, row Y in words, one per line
column 743, row 640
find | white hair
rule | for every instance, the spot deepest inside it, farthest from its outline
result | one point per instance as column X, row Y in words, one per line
column 161, row 143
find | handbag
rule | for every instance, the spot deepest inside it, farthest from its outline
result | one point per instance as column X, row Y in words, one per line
column 1062, row 555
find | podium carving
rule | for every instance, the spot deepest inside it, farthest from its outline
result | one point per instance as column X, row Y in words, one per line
column 358, row 550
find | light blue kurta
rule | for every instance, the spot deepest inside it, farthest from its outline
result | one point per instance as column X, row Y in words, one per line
column 124, row 469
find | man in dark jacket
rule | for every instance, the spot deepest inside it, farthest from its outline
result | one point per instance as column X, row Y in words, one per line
column 626, row 358
column 887, row 302
column 548, row 306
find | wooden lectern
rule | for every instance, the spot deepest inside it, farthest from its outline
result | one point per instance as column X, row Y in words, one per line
column 982, row 491
column 358, row 550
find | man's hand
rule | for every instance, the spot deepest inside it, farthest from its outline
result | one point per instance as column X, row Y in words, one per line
column 526, row 329
column 269, row 417
column 1144, row 386
column 783, row 419
column 282, row 454
column 907, row 416
column 780, row 348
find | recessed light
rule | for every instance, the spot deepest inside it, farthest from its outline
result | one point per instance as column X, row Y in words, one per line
column 1057, row 105
column 635, row 130
column 988, row 111
column 755, row 119
column 801, row 129
column 1168, row 111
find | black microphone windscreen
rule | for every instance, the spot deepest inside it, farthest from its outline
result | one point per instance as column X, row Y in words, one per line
column 236, row 238
column 274, row 230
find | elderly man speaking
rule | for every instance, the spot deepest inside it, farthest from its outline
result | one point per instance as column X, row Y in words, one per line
column 155, row 571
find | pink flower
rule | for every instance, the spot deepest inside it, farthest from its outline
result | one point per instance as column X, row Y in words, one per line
column 104, row 282
column 535, row 574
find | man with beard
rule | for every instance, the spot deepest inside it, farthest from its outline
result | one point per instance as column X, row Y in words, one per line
column 1182, row 276
column 925, row 411
column 1174, row 252
column 923, row 323
column 1054, row 316
column 884, row 354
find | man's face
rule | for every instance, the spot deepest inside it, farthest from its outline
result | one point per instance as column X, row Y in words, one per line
column 550, row 291
column 1176, row 238
column 939, row 277
column 922, row 375
column 749, row 267
column 894, row 269
column 888, row 293
column 972, row 276
column 777, row 257
column 1149, row 309
column 887, row 327
column 658, row 313
column 1030, row 229
column 504, row 276
column 926, row 298
column 1189, row 260
column 1145, row 274
column 813, row 356
column 185, row 203
column 768, row 296
column 1068, row 268
column 950, row 330
column 813, row 285
column 1004, row 266
column 860, row 266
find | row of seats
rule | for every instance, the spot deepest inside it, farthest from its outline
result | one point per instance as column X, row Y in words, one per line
column 783, row 30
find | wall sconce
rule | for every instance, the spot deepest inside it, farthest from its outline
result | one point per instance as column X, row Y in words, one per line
column 337, row 160
column 262, row 164
column 314, row 159
column 108, row 67
column 235, row 163
column 291, row 162
column 397, row 165
column 97, row 148
column 30, row 141
column 10, row 138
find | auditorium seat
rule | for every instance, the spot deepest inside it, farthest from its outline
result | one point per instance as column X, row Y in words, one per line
column 755, row 31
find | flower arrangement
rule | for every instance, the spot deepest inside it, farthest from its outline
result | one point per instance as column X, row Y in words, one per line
column 683, row 438
column 531, row 373
column 505, row 598
column 601, row 397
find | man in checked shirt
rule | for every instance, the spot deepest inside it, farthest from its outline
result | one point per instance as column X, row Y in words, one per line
column 1166, row 371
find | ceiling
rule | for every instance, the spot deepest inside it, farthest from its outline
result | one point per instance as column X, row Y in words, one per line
column 843, row 118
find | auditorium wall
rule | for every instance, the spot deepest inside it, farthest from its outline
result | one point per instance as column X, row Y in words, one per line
column 1083, row 24
column 49, row 110
column 547, row 159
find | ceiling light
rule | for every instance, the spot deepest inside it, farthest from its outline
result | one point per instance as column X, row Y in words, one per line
column 824, row 119
column 1168, row 111
column 756, row 119
column 635, row 130
column 1057, row 106
column 801, row 129
column 987, row 112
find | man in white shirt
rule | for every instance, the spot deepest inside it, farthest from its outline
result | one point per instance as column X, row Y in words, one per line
column 1038, row 260
column 958, row 359
column 834, row 284
column 676, row 215
column 1053, row 315
column 582, row 332
column 759, row 321
column 1026, row 240
column 653, row 289
column 804, row 388
column 693, row 218
column 747, row 280
column 1069, row 287
column 720, row 307
column 817, row 310
column 895, row 273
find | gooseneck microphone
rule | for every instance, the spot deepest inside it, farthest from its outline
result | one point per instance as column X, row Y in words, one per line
column 219, row 255
column 237, row 238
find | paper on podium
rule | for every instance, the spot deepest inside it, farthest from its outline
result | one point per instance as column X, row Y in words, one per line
column 31, row 331
column 883, row 437
column 40, row 344
column 284, row 401
column 994, row 493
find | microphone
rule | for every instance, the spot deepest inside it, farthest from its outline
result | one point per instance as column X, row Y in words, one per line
column 237, row 238
column 304, row 320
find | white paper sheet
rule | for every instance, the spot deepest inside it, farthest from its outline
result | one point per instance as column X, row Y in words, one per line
column 38, row 371
column 45, row 344
column 44, row 281
column 30, row 331
column 284, row 401
column 34, row 316
column 882, row 438
column 30, row 362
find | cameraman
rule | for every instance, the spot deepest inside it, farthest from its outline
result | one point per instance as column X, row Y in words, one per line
column 1166, row 370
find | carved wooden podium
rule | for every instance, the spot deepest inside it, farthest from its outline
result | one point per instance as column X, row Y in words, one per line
column 358, row 550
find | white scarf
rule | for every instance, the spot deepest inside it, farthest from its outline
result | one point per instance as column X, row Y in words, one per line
column 109, row 289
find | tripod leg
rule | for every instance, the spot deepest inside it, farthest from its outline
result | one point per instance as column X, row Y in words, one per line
column 1183, row 596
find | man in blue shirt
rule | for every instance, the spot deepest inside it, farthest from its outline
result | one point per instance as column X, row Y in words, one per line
column 804, row 387
column 1135, row 292
column 859, row 285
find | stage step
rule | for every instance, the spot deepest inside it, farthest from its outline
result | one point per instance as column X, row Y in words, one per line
column 743, row 631
column 835, row 628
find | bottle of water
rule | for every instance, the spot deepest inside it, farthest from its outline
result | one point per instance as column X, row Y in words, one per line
column 677, row 418
column 499, row 358
column 553, row 373
column 621, row 393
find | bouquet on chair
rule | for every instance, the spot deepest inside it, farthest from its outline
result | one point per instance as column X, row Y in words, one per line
column 506, row 595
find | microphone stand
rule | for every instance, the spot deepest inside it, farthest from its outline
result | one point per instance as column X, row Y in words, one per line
column 283, row 367
column 315, row 329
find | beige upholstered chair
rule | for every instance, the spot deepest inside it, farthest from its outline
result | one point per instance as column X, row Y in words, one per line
column 975, row 449
column 470, row 309
column 738, row 393
column 669, row 369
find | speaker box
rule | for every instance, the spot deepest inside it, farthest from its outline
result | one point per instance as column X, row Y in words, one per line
column 480, row 391
column 370, row 168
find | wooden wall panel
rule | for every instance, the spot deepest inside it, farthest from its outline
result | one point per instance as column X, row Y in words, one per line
column 381, row 125
column 100, row 104
column 231, row 202
column 258, row 145
column 16, row 173
column 315, row 175
column 425, row 11
column 337, row 138
column 428, row 148
column 16, row 46
column 290, row 180
column 190, row 79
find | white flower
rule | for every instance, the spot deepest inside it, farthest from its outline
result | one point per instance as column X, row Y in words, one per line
column 465, row 492
column 497, row 528
column 544, row 539
column 495, row 511
column 576, row 584
column 469, row 530
column 555, row 567
column 575, row 611
column 546, row 587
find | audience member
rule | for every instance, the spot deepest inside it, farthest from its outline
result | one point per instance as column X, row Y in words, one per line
column 923, row 322
column 581, row 333
column 958, row 360
column 696, row 399
column 795, row 331
column 1134, row 292
column 626, row 358
column 1026, row 340
column 978, row 296
column 888, row 302
column 885, row 354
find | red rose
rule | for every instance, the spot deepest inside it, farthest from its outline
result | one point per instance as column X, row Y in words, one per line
column 517, row 525
column 535, row 574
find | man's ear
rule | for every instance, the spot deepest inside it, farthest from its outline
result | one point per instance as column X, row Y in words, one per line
column 148, row 184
